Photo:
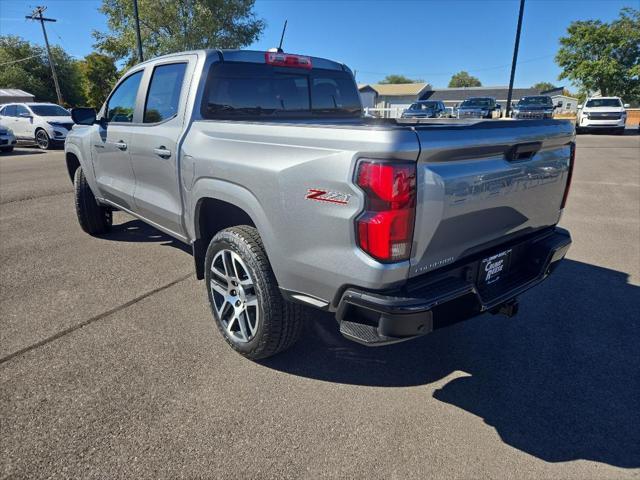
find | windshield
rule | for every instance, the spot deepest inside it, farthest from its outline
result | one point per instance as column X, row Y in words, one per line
column 423, row 106
column 535, row 101
column 258, row 90
column 603, row 102
column 477, row 102
column 49, row 110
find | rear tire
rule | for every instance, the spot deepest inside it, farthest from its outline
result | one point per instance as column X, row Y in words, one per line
column 92, row 217
column 246, row 303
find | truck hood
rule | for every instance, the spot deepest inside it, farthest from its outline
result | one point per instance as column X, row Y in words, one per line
column 603, row 109
column 57, row 119
column 533, row 108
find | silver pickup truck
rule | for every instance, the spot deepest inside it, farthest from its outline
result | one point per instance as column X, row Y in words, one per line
column 289, row 197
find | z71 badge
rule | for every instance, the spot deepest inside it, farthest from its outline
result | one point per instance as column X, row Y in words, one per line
column 327, row 196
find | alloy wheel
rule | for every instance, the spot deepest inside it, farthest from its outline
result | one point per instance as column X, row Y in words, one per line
column 234, row 296
column 42, row 139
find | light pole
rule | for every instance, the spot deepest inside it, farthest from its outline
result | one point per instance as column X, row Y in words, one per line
column 515, row 58
column 137, row 19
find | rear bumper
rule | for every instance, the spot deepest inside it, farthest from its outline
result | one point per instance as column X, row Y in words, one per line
column 439, row 299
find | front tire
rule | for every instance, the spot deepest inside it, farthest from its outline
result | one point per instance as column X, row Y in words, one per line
column 246, row 303
column 42, row 140
column 6, row 149
column 92, row 217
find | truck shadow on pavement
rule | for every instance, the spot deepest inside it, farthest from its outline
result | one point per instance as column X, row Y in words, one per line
column 138, row 231
column 560, row 381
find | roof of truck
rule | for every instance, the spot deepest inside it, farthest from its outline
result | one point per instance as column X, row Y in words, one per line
column 254, row 56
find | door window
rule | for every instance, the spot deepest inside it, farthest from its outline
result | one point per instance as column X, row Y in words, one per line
column 122, row 102
column 164, row 92
column 9, row 111
column 21, row 110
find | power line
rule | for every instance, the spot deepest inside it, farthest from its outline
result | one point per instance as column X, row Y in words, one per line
column 20, row 60
column 37, row 15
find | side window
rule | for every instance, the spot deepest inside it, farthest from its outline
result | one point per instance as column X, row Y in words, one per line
column 10, row 111
column 123, row 101
column 20, row 110
column 163, row 96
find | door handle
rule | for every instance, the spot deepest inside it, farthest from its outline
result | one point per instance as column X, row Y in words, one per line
column 121, row 145
column 162, row 152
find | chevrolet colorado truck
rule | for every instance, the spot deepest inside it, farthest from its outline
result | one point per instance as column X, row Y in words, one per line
column 289, row 198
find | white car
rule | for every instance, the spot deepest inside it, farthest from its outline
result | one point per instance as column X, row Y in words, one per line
column 46, row 124
column 7, row 139
column 602, row 113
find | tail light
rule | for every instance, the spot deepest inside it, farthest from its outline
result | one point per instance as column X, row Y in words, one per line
column 572, row 159
column 385, row 228
column 280, row 59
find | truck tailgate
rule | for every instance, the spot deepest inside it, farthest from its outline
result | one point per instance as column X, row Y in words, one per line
column 480, row 184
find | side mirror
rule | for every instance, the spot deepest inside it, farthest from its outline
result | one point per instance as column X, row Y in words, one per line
column 579, row 105
column 83, row 115
column 26, row 115
column 626, row 105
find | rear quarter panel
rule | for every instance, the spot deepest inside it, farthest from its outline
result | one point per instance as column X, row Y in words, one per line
column 268, row 168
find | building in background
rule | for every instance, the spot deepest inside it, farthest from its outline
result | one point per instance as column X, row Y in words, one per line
column 368, row 96
column 11, row 95
column 390, row 100
column 564, row 104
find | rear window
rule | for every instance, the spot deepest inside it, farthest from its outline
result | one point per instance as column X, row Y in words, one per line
column 424, row 106
column 241, row 90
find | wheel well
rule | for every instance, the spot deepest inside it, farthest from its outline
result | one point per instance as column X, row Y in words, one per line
column 213, row 215
column 72, row 165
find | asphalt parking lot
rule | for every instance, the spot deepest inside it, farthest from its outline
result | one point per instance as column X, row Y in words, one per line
column 110, row 365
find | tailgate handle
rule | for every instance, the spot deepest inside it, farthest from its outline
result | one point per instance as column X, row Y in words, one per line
column 523, row 151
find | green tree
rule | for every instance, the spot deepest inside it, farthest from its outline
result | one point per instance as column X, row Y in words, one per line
column 543, row 86
column 604, row 57
column 399, row 79
column 26, row 67
column 168, row 26
column 99, row 74
column 463, row 79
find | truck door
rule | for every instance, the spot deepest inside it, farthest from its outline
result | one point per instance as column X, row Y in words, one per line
column 154, row 149
column 110, row 142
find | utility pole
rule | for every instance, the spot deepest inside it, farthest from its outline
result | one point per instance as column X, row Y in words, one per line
column 515, row 58
column 37, row 15
column 139, row 40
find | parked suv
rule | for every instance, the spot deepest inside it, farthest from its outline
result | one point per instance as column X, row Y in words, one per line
column 426, row 109
column 264, row 164
column 536, row 106
column 479, row 107
column 45, row 124
column 602, row 113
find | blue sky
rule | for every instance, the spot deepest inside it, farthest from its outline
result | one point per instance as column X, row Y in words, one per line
column 428, row 39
